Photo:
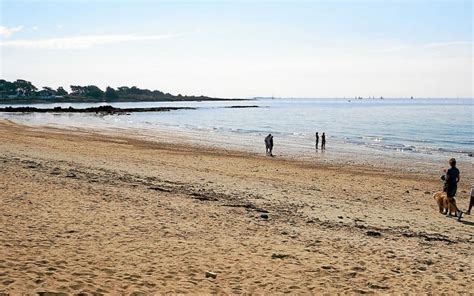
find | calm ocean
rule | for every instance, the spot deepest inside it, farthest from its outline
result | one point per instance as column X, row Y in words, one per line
column 426, row 128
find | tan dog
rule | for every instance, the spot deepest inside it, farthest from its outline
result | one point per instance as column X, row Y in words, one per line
column 446, row 205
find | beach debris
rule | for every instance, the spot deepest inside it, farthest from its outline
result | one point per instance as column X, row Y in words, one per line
column 279, row 256
column 71, row 175
column 408, row 191
column 359, row 268
column 427, row 192
column 264, row 216
column 52, row 294
column 373, row 233
column 210, row 274
column 55, row 171
column 427, row 262
column 375, row 286
column 203, row 197
column 248, row 206
column 157, row 188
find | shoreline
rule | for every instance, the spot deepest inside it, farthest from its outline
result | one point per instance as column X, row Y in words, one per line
column 88, row 211
column 31, row 101
column 338, row 155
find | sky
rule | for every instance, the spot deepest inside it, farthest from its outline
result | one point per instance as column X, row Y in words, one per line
column 321, row 49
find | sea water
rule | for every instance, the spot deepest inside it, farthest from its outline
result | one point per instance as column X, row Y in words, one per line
column 420, row 129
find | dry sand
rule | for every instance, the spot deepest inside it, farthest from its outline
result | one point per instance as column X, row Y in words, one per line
column 82, row 212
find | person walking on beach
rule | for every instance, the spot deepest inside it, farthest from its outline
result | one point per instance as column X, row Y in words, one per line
column 323, row 141
column 317, row 140
column 471, row 201
column 269, row 144
column 451, row 180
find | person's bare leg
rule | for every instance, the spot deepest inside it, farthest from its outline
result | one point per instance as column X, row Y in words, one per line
column 471, row 202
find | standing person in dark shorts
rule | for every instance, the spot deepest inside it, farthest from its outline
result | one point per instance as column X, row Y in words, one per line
column 269, row 144
column 317, row 140
column 451, row 185
column 323, row 142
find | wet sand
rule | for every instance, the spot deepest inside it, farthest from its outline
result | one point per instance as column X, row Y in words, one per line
column 85, row 212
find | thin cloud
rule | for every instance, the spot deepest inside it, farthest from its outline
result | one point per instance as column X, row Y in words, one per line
column 7, row 32
column 447, row 44
column 81, row 42
column 433, row 45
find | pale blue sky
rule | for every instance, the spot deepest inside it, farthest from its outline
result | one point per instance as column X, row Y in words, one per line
column 244, row 48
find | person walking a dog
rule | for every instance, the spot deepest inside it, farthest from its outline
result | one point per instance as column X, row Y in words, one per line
column 451, row 180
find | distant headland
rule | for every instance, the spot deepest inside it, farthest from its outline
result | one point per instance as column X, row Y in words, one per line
column 24, row 92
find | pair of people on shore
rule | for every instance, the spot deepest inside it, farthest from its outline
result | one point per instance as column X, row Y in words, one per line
column 269, row 145
column 451, row 179
column 323, row 141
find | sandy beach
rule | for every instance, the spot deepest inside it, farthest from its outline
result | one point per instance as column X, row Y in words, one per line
column 94, row 213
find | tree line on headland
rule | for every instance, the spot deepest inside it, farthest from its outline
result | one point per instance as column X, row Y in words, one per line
column 23, row 91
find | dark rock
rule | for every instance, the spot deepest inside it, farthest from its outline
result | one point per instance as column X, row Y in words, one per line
column 327, row 267
column 359, row 291
column 279, row 256
column 373, row 233
column 264, row 216
column 252, row 106
column 107, row 109
column 211, row 274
